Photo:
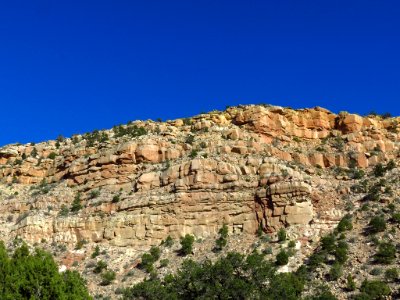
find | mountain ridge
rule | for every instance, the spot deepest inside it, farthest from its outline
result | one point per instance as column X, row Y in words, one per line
column 252, row 168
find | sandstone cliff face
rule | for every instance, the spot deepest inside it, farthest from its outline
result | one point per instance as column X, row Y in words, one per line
column 249, row 167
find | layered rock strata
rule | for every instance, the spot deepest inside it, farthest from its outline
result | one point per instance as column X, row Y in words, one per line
column 246, row 167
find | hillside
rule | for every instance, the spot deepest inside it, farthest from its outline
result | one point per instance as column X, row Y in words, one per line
column 257, row 169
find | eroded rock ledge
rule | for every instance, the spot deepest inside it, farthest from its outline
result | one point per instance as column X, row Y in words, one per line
column 246, row 167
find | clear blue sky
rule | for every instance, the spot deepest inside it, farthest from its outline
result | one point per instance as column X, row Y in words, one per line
column 73, row 66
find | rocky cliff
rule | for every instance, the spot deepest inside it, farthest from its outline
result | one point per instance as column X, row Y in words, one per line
column 254, row 167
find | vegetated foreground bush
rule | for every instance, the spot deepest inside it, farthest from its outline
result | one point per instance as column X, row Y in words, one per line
column 374, row 289
column 35, row 276
column 234, row 276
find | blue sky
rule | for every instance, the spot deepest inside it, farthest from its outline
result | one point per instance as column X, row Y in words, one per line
column 73, row 66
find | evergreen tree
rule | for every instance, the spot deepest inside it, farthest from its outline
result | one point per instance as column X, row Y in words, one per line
column 35, row 276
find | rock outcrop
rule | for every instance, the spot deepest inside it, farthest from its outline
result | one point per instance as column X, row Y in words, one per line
column 283, row 204
column 249, row 167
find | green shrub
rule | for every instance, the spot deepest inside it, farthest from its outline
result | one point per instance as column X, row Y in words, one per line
column 375, row 240
column 284, row 286
column 107, row 277
column 364, row 207
column 187, row 121
column 267, row 250
column 116, row 198
column 386, row 253
column 223, row 238
column 292, row 244
column 190, row 139
column 341, row 254
column 338, row 143
column 42, row 188
column 316, row 259
column 390, row 165
column 374, row 289
column 167, row 165
column 282, row 235
column 63, row 211
column 373, row 195
column 52, row 155
column 164, row 263
column 328, row 243
column 60, row 138
column 193, row 153
column 100, row 266
column 379, row 170
column 376, row 271
column 392, row 274
column 168, row 242
column 322, row 293
column 377, row 224
column 265, row 238
column 345, row 224
column 75, row 139
column 396, row 218
column 336, row 271
column 80, row 244
column 148, row 259
column 129, row 130
column 282, row 258
column 291, row 252
column 96, row 252
column 94, row 194
column 187, row 244
column 155, row 253
column 350, row 284
column 76, row 204
column 34, row 152
column 119, row 291
column 147, row 262
column 391, row 207
column 357, row 174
